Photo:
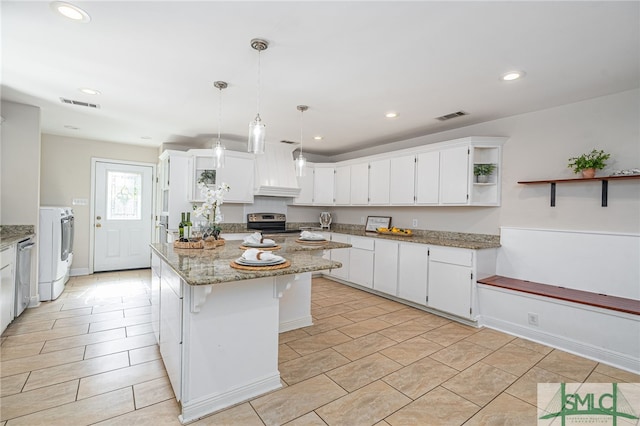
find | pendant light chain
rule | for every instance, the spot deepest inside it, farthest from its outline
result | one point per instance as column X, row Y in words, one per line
column 258, row 91
column 301, row 114
column 219, row 112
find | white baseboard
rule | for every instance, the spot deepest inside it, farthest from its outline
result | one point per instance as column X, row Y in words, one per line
column 296, row 323
column 34, row 301
column 76, row 272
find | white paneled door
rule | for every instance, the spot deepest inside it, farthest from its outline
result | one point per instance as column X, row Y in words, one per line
column 122, row 222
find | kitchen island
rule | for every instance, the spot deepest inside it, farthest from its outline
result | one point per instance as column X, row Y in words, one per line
column 218, row 327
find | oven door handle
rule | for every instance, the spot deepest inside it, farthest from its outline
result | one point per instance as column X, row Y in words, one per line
column 27, row 247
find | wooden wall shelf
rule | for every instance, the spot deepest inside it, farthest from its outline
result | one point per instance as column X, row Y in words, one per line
column 604, row 179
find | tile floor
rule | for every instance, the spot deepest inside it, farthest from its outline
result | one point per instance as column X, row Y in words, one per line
column 90, row 358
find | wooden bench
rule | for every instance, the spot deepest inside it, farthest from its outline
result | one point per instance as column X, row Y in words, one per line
column 620, row 304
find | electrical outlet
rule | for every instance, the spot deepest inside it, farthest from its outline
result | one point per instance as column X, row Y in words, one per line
column 414, row 223
column 533, row 318
column 361, row 220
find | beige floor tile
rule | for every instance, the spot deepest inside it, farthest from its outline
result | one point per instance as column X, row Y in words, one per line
column 310, row 419
column 36, row 315
column 76, row 370
column 411, row 350
column 41, row 336
column 491, row 339
column 391, row 306
column 145, row 354
column 28, row 327
column 79, row 413
column 326, row 324
column 569, row 365
column 162, row 414
column 119, row 306
column 133, row 312
column 90, row 318
column 37, row 362
column 12, row 384
column 291, row 402
column 618, row 374
column 431, row 321
column 448, row 334
column 152, row 392
column 118, row 345
column 120, row 378
column 364, row 346
column 420, row 377
column 363, row 328
column 329, row 311
column 439, row 407
column 82, row 340
column 285, row 353
column 461, row 355
column 513, row 359
column 25, row 403
column 526, row 387
column 401, row 315
column 480, row 383
column 404, row 331
column 365, row 406
column 364, row 314
column 596, row 377
column 243, row 414
column 11, row 352
column 289, row 336
column 311, row 344
column 140, row 329
column 363, row 371
column 533, row 346
column 505, row 410
column 311, row 365
column 382, row 423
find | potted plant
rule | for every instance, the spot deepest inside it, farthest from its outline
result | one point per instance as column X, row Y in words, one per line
column 588, row 163
column 483, row 171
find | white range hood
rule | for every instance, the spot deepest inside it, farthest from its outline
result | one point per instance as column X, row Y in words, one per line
column 275, row 172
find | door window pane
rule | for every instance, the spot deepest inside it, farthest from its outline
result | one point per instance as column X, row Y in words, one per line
column 123, row 196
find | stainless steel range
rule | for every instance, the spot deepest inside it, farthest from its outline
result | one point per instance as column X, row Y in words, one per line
column 269, row 223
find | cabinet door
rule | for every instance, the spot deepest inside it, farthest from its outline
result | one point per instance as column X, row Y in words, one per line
column 156, row 273
column 323, row 182
column 305, row 197
column 402, row 180
column 428, row 178
column 360, row 184
column 343, row 185
column 340, row 255
column 361, row 261
column 385, row 270
column 171, row 327
column 450, row 281
column 412, row 272
column 7, row 287
column 379, row 182
column 238, row 174
column 454, row 175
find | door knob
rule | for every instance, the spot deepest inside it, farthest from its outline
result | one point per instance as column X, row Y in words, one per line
column 98, row 225
column 98, row 217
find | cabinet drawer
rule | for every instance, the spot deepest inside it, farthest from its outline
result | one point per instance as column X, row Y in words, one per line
column 340, row 238
column 362, row 243
column 450, row 255
column 170, row 278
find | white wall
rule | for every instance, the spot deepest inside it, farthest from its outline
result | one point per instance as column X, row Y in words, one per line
column 539, row 146
column 66, row 174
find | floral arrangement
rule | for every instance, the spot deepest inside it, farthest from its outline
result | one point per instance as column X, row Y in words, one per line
column 210, row 208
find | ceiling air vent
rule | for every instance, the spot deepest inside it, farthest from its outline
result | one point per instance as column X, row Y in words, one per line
column 452, row 115
column 78, row 103
column 289, row 142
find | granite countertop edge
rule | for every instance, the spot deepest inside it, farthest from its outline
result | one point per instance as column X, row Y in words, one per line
column 12, row 234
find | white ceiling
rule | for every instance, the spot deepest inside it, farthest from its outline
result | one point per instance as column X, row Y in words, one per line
column 155, row 62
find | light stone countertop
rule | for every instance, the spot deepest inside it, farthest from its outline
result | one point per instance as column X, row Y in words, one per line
column 204, row 267
column 11, row 234
column 434, row 238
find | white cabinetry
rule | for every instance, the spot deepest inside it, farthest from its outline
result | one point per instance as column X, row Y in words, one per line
column 428, row 178
column 361, row 261
column 323, row 184
column 412, row 272
column 238, row 173
column 385, row 269
column 156, row 274
column 305, row 197
column 342, row 256
column 174, row 183
column 454, row 175
column 359, row 184
column 402, row 180
column 451, row 280
column 7, row 286
column 343, row 185
column 379, row 181
column 171, row 327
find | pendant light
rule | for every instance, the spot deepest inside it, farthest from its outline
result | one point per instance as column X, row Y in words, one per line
column 257, row 127
column 218, row 147
column 301, row 162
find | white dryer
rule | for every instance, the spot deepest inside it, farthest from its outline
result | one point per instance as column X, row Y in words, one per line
column 56, row 250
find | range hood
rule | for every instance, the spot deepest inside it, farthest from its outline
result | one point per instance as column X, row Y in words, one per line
column 275, row 172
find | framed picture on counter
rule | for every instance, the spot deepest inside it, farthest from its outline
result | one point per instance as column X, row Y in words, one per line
column 375, row 222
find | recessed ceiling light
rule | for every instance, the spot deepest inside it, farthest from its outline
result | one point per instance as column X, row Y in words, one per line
column 70, row 11
column 318, row 138
column 88, row 91
column 391, row 115
column 512, row 75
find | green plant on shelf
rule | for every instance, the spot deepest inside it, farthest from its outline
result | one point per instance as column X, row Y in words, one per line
column 483, row 169
column 591, row 160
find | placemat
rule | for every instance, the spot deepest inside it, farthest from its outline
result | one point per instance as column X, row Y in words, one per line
column 235, row 265
column 276, row 247
column 312, row 242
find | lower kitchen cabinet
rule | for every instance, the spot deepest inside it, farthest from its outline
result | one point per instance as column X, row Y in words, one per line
column 385, row 269
column 450, row 288
column 156, row 273
column 342, row 256
column 171, row 327
column 361, row 261
column 412, row 272
column 7, row 286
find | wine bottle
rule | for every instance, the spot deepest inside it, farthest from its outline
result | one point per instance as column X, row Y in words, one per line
column 187, row 226
column 181, row 227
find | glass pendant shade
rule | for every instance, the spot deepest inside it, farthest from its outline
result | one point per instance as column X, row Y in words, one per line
column 218, row 155
column 257, row 134
column 301, row 165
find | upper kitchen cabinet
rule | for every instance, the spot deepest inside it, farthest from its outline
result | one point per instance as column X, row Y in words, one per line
column 323, row 184
column 238, row 173
column 402, row 180
column 343, row 186
column 454, row 175
column 379, row 184
column 427, row 186
column 359, row 184
column 173, row 183
column 305, row 197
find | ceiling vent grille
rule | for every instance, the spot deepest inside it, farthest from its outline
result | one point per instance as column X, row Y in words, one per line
column 79, row 103
column 452, row 115
column 289, row 142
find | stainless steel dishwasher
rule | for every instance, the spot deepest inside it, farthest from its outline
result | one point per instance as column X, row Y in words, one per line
column 23, row 275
